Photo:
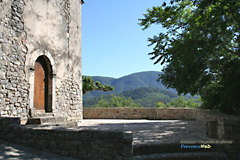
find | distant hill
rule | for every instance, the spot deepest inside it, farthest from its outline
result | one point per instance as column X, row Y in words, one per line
column 146, row 96
column 137, row 80
column 129, row 82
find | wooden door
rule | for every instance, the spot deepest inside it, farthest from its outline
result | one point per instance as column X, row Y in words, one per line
column 39, row 87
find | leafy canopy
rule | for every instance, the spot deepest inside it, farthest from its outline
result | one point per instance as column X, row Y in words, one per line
column 116, row 101
column 200, row 49
column 90, row 85
column 180, row 102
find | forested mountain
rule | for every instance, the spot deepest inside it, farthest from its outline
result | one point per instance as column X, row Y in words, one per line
column 129, row 82
column 145, row 96
column 143, row 88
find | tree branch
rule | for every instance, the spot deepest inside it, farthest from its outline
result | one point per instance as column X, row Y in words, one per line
column 228, row 50
column 99, row 89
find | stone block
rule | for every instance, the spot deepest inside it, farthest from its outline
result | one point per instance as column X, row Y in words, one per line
column 3, row 113
column 19, row 110
column 119, row 146
column 87, row 145
column 73, row 152
column 106, row 157
column 2, row 75
column 128, row 135
column 126, row 152
column 31, row 141
column 82, row 151
column 52, row 143
column 72, row 135
column 76, row 142
column 85, row 135
column 111, row 151
column 64, row 152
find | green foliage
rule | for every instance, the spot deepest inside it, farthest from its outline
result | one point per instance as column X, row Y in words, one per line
column 180, row 102
column 148, row 96
column 90, row 85
column 145, row 96
column 116, row 101
column 200, row 49
column 161, row 105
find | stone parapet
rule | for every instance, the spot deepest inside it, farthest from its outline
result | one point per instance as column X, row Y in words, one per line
column 222, row 127
column 140, row 113
column 219, row 125
column 215, row 124
column 6, row 121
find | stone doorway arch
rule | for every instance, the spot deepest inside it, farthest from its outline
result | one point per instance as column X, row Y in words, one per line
column 42, row 101
column 31, row 59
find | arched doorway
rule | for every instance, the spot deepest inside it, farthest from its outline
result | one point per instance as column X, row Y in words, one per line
column 43, row 85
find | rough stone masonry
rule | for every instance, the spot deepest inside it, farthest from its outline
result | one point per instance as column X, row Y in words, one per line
column 40, row 58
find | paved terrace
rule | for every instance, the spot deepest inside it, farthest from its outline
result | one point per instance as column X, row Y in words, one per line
column 153, row 131
column 144, row 131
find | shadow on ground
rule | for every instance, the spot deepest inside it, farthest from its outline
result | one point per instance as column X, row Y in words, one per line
column 10, row 151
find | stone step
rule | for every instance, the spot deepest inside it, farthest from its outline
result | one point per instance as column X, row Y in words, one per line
column 46, row 120
column 36, row 115
column 38, row 111
column 183, row 156
column 156, row 148
column 62, row 124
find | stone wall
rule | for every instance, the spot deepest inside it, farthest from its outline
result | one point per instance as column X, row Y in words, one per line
column 219, row 125
column 222, row 127
column 68, row 101
column 76, row 143
column 139, row 113
column 54, row 30
column 216, row 125
column 30, row 29
column 5, row 122
column 55, row 27
column 14, row 87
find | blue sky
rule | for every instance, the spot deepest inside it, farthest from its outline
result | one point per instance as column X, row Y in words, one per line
column 113, row 44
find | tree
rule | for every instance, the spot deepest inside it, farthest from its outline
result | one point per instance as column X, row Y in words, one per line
column 89, row 85
column 116, row 101
column 200, row 49
column 180, row 102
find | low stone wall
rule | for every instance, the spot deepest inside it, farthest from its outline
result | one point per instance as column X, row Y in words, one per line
column 6, row 121
column 140, row 113
column 222, row 127
column 94, row 144
column 216, row 125
column 219, row 125
column 76, row 143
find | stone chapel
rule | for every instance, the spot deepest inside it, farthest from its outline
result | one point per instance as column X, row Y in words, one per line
column 40, row 58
